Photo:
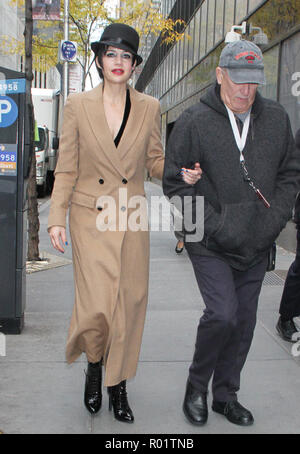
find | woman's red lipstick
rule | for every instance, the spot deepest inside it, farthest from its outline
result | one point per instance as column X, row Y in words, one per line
column 119, row 72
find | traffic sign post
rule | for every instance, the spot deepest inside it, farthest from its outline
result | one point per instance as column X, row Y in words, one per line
column 14, row 172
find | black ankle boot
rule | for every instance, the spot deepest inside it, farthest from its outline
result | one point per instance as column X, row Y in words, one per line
column 118, row 400
column 92, row 392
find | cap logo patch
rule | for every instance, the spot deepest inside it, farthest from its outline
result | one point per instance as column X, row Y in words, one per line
column 250, row 56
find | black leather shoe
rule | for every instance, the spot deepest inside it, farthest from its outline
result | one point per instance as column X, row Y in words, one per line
column 286, row 329
column 234, row 412
column 92, row 392
column 195, row 405
column 118, row 401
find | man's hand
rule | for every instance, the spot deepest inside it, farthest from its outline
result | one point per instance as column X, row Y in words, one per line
column 58, row 237
column 191, row 176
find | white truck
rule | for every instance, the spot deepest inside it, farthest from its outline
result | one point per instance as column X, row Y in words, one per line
column 48, row 106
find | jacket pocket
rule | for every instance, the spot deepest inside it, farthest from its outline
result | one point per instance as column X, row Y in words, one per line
column 85, row 200
column 236, row 229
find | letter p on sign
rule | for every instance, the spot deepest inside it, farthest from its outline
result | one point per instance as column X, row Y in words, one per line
column 5, row 108
column 8, row 111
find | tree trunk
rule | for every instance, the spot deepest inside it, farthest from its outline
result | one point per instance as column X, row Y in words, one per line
column 33, row 215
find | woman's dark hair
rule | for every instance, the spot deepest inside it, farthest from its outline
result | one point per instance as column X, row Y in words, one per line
column 101, row 51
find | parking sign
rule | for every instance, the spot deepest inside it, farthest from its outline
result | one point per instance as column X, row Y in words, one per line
column 8, row 111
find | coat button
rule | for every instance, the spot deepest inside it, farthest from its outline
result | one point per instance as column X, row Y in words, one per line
column 99, row 208
column 124, row 181
column 101, row 181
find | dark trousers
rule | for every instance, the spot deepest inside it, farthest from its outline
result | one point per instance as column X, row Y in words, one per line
column 290, row 301
column 226, row 328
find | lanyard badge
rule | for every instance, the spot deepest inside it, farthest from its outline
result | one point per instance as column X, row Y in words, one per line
column 241, row 142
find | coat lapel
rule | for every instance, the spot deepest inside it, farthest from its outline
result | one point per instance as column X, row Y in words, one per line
column 94, row 109
column 134, row 123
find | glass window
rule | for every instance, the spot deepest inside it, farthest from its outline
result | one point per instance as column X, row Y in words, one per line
column 181, row 57
column 196, row 37
column 166, row 74
column 173, row 66
column 289, row 95
column 176, row 62
column 271, row 61
column 240, row 10
column 282, row 17
column 210, row 24
column 229, row 15
column 186, row 49
column 171, row 69
column 219, row 22
column 253, row 4
column 205, row 72
column 160, row 81
column 203, row 29
column 191, row 44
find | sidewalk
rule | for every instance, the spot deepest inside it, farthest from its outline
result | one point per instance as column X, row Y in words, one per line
column 41, row 394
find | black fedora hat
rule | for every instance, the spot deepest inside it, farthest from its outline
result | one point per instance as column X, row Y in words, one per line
column 121, row 36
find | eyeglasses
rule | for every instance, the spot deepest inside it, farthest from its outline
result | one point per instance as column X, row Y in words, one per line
column 113, row 54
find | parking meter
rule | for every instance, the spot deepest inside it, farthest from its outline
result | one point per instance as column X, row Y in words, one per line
column 14, row 172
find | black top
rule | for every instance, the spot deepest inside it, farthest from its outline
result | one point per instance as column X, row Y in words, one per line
column 125, row 118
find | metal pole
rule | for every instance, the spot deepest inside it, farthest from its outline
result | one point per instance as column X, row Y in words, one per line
column 66, row 38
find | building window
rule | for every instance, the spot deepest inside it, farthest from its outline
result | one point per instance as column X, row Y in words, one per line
column 164, row 76
column 271, row 61
column 191, row 44
column 210, row 24
column 229, row 15
column 174, row 66
column 241, row 10
column 186, row 50
column 203, row 29
column 253, row 4
column 180, row 57
column 219, row 22
column 167, row 68
column 170, row 59
column 197, row 37
column 289, row 95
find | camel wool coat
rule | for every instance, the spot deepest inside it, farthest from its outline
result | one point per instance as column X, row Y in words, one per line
column 111, row 267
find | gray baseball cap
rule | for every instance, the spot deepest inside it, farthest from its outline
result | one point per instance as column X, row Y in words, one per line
column 244, row 62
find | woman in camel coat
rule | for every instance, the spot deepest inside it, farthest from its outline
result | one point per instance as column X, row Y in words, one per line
column 110, row 135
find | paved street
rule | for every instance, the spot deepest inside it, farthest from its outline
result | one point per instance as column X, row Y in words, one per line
column 40, row 393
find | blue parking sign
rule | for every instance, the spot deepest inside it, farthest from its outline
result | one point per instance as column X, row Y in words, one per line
column 8, row 111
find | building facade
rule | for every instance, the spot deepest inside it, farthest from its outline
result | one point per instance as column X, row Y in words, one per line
column 11, row 25
column 177, row 75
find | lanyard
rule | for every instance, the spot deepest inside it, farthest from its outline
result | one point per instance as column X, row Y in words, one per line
column 240, row 139
column 241, row 142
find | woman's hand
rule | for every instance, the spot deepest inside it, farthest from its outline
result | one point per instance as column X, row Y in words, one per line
column 58, row 237
column 191, row 176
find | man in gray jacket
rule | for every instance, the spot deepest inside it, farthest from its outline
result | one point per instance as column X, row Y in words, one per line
column 251, row 174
